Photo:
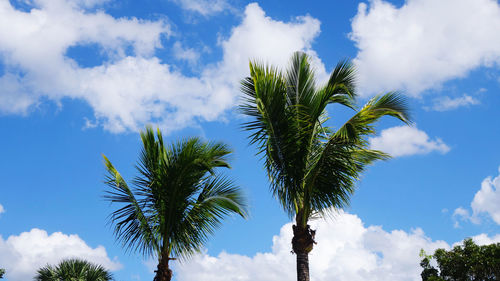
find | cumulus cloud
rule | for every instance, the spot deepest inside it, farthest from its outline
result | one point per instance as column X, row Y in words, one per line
column 486, row 202
column 260, row 37
column 33, row 48
column 204, row 7
column 346, row 249
column 2, row 210
column 487, row 199
column 423, row 43
column 447, row 103
column 21, row 255
column 133, row 87
column 404, row 141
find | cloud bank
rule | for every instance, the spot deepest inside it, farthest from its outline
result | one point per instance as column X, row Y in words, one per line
column 414, row 47
column 131, row 86
column 346, row 250
column 21, row 255
column 423, row 43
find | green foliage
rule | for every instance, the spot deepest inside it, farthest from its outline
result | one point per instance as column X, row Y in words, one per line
column 311, row 167
column 429, row 273
column 73, row 270
column 2, row 272
column 177, row 200
column 464, row 262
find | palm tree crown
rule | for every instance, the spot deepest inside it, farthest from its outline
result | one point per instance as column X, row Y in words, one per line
column 73, row 270
column 311, row 166
column 177, row 201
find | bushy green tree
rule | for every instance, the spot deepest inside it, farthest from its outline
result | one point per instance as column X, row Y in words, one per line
column 312, row 167
column 178, row 199
column 73, row 270
column 2, row 272
column 466, row 262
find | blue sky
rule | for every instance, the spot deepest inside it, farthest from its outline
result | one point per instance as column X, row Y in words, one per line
column 80, row 78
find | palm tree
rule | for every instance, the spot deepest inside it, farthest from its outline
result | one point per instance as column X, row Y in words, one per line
column 312, row 168
column 74, row 270
column 177, row 201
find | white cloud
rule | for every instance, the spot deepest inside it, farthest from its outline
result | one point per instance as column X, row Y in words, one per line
column 423, row 43
column 447, row 103
column 187, row 54
column 204, row 7
column 21, row 255
column 2, row 210
column 260, row 37
column 33, row 47
column 346, row 249
column 483, row 239
column 130, row 89
column 405, row 141
column 461, row 214
column 486, row 201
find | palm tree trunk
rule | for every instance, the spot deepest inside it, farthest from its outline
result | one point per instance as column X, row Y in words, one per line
column 163, row 272
column 302, row 244
column 303, row 267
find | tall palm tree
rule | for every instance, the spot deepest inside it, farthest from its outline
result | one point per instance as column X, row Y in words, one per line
column 177, row 200
column 312, row 168
column 73, row 270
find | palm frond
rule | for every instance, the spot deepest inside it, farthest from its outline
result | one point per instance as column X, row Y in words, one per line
column 219, row 198
column 132, row 226
column 361, row 124
column 341, row 86
column 300, row 81
column 331, row 179
column 265, row 99
column 46, row 273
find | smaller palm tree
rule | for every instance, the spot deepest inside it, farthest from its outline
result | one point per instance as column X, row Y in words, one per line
column 74, row 270
column 176, row 202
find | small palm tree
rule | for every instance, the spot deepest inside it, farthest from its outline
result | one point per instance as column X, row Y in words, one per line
column 177, row 201
column 312, row 168
column 73, row 270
